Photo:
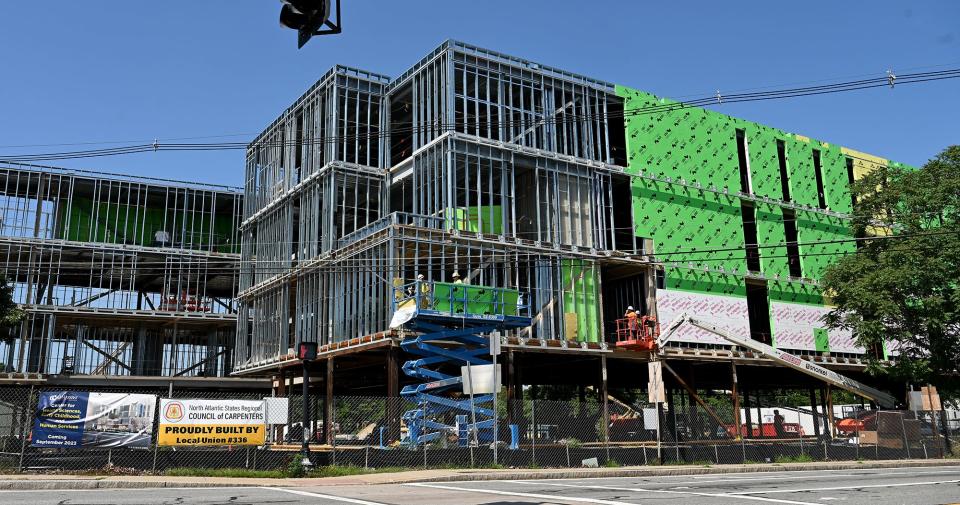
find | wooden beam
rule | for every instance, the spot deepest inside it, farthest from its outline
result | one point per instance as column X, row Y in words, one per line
column 328, row 404
column 736, row 400
column 693, row 394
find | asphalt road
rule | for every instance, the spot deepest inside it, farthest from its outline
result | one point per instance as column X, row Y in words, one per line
column 914, row 486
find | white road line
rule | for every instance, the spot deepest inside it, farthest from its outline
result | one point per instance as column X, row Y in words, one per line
column 761, row 476
column 733, row 479
column 549, row 497
column 754, row 475
column 665, row 491
column 325, row 496
column 840, row 488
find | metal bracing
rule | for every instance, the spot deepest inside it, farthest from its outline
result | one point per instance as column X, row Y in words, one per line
column 84, row 250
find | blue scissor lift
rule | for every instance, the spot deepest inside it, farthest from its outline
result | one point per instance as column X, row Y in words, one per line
column 453, row 323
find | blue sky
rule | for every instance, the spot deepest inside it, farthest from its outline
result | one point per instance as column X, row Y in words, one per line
column 132, row 71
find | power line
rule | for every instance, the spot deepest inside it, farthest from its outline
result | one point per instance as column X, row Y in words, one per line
column 537, row 258
column 536, row 122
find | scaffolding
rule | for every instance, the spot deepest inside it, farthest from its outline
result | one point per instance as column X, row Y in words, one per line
column 118, row 275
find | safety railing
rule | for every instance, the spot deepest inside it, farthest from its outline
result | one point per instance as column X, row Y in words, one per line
column 459, row 299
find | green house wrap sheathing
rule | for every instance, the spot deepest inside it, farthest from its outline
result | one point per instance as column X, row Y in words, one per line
column 486, row 219
column 700, row 146
column 470, row 299
column 83, row 221
column 581, row 296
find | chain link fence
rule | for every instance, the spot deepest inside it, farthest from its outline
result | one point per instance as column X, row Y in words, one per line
column 367, row 432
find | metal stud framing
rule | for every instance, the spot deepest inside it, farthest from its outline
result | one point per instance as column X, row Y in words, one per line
column 118, row 275
column 493, row 166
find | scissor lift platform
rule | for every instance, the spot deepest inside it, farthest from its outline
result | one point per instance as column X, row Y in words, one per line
column 452, row 322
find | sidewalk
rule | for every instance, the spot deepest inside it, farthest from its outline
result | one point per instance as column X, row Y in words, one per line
column 40, row 482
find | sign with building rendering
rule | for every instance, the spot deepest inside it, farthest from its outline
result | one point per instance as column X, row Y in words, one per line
column 71, row 419
column 211, row 422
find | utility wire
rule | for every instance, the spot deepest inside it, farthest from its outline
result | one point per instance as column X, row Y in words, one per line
column 536, row 122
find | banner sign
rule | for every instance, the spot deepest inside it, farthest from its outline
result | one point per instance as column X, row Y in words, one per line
column 68, row 419
column 211, row 422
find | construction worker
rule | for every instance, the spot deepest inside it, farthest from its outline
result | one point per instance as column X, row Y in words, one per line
column 631, row 317
column 778, row 424
column 424, row 288
column 456, row 277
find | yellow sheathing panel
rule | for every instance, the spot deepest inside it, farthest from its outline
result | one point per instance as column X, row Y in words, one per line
column 863, row 163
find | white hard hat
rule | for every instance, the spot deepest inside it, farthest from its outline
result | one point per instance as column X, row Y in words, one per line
column 456, row 274
column 629, row 307
column 419, row 276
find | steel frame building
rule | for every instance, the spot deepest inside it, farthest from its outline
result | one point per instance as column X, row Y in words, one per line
column 119, row 277
column 478, row 179
column 522, row 176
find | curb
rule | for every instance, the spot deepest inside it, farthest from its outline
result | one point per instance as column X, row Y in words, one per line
column 682, row 470
column 82, row 484
column 67, row 483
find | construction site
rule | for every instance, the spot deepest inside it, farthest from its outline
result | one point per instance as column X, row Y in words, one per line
column 649, row 266
column 400, row 222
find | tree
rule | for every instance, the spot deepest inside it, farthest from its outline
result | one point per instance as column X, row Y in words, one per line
column 902, row 287
column 10, row 313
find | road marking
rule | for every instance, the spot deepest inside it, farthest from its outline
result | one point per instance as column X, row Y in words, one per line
column 841, row 488
column 549, row 497
column 732, row 479
column 773, row 474
column 760, row 476
column 665, row 491
column 325, row 496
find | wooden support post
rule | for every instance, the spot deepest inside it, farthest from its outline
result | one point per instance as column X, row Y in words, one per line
column 693, row 394
column 759, row 414
column 514, row 390
column 813, row 407
column 603, row 398
column 736, row 400
column 693, row 418
column 672, row 415
column 281, row 391
column 281, row 383
column 328, row 405
column 828, row 398
column 393, row 394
